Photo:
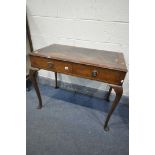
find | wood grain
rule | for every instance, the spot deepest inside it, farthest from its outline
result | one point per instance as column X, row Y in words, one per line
column 80, row 70
column 98, row 58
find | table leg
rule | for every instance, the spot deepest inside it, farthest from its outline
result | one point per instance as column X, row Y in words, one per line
column 119, row 91
column 56, row 82
column 33, row 77
column 108, row 94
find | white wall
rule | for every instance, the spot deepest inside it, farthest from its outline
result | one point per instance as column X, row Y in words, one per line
column 99, row 24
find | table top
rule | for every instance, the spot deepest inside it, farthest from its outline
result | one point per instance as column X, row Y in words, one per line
column 98, row 58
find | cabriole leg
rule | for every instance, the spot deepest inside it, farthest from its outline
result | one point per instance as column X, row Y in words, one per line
column 33, row 77
column 119, row 91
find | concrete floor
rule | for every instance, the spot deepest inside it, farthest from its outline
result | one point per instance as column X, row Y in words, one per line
column 72, row 124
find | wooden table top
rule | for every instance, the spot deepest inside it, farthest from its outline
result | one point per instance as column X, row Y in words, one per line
column 98, row 58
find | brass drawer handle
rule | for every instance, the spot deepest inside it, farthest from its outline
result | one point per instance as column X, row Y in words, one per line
column 94, row 73
column 50, row 64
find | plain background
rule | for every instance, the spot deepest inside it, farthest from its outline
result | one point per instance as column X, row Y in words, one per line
column 13, row 67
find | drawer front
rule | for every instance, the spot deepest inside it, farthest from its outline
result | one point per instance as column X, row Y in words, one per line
column 51, row 65
column 42, row 63
column 110, row 76
column 99, row 74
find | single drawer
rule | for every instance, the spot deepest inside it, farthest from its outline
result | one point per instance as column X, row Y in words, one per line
column 99, row 74
column 42, row 63
column 51, row 64
column 111, row 76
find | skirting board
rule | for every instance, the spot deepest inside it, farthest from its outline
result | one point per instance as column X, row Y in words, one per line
column 80, row 89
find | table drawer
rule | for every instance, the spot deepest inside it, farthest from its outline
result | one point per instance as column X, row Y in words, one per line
column 51, row 64
column 111, row 76
column 42, row 63
column 97, row 73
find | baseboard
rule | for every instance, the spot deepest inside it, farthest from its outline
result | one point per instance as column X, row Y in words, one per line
column 80, row 89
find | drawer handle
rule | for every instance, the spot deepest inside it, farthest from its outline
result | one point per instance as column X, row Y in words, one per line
column 50, row 64
column 66, row 68
column 94, row 73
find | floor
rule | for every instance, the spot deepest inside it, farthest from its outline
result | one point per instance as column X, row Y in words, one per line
column 72, row 124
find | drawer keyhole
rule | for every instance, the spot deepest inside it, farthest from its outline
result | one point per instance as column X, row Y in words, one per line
column 94, row 73
column 50, row 64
